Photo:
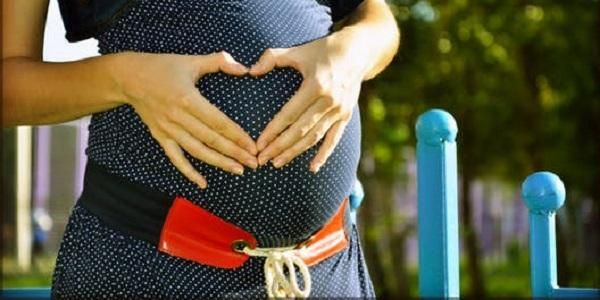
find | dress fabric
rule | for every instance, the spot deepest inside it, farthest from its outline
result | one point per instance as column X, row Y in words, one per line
column 280, row 207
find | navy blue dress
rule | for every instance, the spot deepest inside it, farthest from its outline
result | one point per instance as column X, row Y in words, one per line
column 280, row 207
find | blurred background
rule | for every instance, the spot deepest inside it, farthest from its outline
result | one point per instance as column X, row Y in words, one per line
column 522, row 78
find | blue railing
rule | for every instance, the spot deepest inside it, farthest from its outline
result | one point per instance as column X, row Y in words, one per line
column 543, row 194
column 28, row 293
column 437, row 205
column 439, row 253
column 439, row 258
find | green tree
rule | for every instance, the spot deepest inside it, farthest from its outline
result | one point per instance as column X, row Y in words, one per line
column 522, row 78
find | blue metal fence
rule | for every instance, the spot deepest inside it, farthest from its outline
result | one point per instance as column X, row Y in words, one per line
column 30, row 293
column 437, row 205
column 543, row 194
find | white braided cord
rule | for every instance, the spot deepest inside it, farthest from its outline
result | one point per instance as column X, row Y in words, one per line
column 277, row 284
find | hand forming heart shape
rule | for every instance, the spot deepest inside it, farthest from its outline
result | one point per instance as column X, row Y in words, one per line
column 321, row 107
column 180, row 118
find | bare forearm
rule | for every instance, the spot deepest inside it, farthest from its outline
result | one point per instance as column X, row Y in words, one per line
column 373, row 35
column 38, row 92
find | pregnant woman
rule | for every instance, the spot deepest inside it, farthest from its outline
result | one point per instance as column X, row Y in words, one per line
column 223, row 145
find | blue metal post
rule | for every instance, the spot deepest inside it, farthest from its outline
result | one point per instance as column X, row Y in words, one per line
column 25, row 293
column 544, row 193
column 437, row 205
column 356, row 198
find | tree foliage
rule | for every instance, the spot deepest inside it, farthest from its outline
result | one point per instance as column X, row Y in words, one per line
column 522, row 78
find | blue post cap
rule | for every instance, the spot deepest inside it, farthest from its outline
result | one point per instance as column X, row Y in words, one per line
column 357, row 195
column 356, row 198
column 543, row 192
column 436, row 126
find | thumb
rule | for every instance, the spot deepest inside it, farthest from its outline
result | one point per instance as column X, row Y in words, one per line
column 271, row 58
column 221, row 61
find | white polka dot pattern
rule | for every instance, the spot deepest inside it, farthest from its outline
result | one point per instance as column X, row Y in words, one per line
column 287, row 205
column 279, row 207
column 96, row 262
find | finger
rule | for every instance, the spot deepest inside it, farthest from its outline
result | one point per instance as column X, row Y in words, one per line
column 199, row 107
column 271, row 58
column 175, row 155
column 332, row 138
column 216, row 141
column 201, row 151
column 296, row 131
column 288, row 114
column 220, row 61
column 309, row 140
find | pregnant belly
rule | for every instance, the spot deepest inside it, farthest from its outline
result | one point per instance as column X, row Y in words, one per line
column 279, row 206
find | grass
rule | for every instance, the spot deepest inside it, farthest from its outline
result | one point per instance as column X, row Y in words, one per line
column 503, row 280
column 40, row 274
column 507, row 279
column 511, row 279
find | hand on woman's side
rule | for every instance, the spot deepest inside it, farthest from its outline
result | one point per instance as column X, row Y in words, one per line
column 161, row 88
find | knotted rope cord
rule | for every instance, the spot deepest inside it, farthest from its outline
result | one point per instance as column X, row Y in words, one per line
column 277, row 284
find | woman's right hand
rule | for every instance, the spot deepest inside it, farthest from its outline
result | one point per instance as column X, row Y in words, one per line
column 161, row 88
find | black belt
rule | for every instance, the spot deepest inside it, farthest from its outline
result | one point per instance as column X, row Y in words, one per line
column 127, row 206
column 130, row 207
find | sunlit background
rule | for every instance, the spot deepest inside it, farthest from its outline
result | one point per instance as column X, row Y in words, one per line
column 50, row 167
column 522, row 78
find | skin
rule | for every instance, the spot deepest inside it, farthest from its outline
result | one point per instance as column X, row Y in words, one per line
column 160, row 87
column 333, row 69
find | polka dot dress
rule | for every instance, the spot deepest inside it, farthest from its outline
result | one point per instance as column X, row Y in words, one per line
column 279, row 207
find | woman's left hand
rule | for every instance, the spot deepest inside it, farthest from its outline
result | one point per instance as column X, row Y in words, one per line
column 321, row 107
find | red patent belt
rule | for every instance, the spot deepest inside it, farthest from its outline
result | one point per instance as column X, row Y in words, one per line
column 215, row 242
column 182, row 229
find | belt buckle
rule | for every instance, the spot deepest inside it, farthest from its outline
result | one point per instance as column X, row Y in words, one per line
column 239, row 245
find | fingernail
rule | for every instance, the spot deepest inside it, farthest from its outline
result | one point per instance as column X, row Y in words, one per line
column 256, row 67
column 253, row 150
column 315, row 168
column 251, row 162
column 278, row 162
column 202, row 184
column 238, row 170
column 262, row 160
column 242, row 68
